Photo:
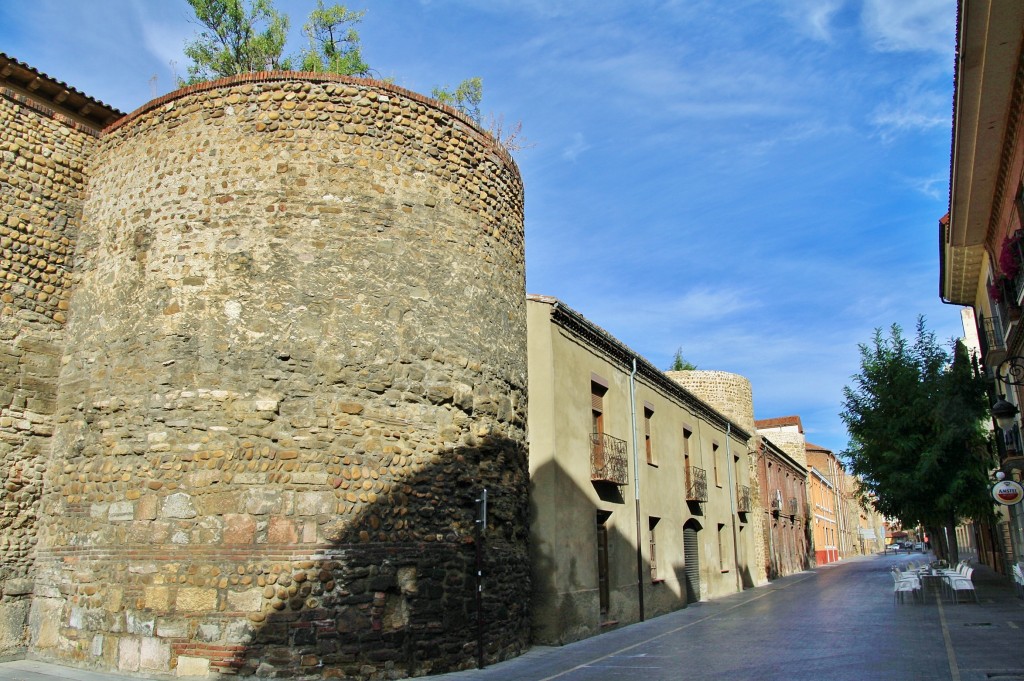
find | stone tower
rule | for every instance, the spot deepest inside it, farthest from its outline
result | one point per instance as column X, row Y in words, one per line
column 296, row 353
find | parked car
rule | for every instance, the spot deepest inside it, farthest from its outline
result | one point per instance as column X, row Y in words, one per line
column 919, row 546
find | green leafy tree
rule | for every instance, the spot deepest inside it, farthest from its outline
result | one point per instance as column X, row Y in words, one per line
column 466, row 97
column 679, row 363
column 238, row 36
column 333, row 41
column 915, row 417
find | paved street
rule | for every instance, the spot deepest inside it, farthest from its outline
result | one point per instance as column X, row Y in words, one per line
column 833, row 623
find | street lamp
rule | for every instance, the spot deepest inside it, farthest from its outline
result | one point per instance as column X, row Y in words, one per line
column 1004, row 413
column 1010, row 373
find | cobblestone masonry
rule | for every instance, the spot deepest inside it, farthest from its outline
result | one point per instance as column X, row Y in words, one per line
column 296, row 352
column 732, row 395
column 41, row 187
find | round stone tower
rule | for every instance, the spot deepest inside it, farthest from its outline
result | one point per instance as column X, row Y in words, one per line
column 296, row 355
column 729, row 393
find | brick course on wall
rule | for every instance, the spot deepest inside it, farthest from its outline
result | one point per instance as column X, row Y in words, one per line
column 295, row 355
column 42, row 156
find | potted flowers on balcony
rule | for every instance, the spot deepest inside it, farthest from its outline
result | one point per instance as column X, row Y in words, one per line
column 1011, row 255
column 1003, row 292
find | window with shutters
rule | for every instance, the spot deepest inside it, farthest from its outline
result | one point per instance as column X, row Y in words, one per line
column 714, row 464
column 722, row 548
column 653, row 546
column 597, row 392
column 607, row 453
column 603, row 589
column 648, row 445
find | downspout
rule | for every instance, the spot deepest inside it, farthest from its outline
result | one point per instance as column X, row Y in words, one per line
column 840, row 511
column 771, row 533
column 636, row 494
column 732, row 505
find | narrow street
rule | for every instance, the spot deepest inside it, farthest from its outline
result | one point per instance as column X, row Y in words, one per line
column 833, row 623
column 837, row 623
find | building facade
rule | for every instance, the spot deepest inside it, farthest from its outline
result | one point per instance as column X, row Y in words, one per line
column 832, row 536
column 640, row 491
column 783, row 484
column 982, row 237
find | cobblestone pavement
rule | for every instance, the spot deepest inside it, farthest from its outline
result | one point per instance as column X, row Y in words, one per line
column 837, row 622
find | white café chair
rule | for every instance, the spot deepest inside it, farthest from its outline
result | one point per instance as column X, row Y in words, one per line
column 904, row 583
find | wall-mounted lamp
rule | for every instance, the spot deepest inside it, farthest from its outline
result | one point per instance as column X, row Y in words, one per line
column 1010, row 373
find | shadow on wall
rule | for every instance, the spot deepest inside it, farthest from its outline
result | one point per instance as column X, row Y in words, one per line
column 390, row 593
column 584, row 569
column 406, row 606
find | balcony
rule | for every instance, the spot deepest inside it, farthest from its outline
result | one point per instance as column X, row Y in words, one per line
column 794, row 507
column 993, row 346
column 776, row 502
column 742, row 499
column 696, row 484
column 608, row 459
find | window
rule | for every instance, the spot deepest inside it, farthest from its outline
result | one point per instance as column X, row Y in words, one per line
column 714, row 463
column 603, row 590
column 687, row 434
column 652, row 523
column 721, row 548
column 598, row 388
column 648, row 414
column 1020, row 205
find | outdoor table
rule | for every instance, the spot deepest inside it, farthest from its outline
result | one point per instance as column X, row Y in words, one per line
column 930, row 581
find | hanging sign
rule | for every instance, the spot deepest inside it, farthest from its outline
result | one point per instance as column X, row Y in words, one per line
column 1007, row 492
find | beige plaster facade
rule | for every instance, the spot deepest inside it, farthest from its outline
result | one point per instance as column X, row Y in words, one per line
column 622, row 528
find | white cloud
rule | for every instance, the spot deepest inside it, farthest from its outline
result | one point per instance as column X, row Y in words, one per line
column 909, row 25
column 577, row 145
column 813, row 17
column 914, row 109
column 935, row 187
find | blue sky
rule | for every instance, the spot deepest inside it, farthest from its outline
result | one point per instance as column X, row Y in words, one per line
column 755, row 181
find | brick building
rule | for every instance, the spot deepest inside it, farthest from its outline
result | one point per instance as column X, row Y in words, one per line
column 783, row 484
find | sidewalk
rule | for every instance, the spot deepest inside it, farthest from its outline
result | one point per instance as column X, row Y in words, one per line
column 980, row 638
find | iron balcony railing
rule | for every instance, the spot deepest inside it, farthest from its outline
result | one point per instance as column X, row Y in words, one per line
column 608, row 459
column 742, row 499
column 696, row 484
column 992, row 338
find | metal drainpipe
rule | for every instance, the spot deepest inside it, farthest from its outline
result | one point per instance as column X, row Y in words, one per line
column 771, row 533
column 840, row 508
column 636, row 494
column 732, row 504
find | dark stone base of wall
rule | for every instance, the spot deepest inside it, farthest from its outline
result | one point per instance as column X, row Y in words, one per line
column 371, row 611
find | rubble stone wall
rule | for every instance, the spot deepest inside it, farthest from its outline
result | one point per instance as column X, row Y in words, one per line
column 41, row 188
column 296, row 354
